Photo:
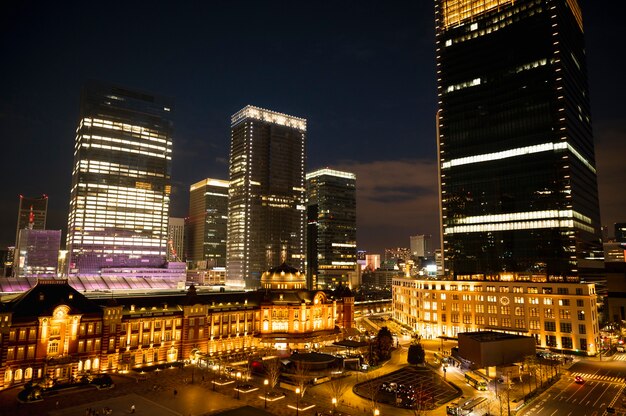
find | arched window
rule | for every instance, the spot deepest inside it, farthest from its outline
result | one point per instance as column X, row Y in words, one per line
column 87, row 365
column 296, row 325
column 8, row 376
column 28, row 374
column 18, row 375
column 266, row 325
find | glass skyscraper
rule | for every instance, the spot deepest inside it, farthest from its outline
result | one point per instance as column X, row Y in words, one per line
column 517, row 165
column 267, row 196
column 31, row 214
column 121, row 188
column 331, row 228
column 207, row 223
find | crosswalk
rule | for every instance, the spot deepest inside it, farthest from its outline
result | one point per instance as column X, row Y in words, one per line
column 609, row 379
column 619, row 357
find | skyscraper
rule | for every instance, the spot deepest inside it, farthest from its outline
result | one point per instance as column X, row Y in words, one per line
column 175, row 239
column 331, row 228
column 37, row 254
column 421, row 245
column 121, row 180
column 517, row 166
column 207, row 223
column 266, row 207
column 31, row 214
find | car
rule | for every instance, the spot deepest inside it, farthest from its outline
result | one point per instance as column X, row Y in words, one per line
column 621, row 348
column 579, row 380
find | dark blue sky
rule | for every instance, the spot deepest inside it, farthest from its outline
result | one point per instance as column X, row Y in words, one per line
column 361, row 72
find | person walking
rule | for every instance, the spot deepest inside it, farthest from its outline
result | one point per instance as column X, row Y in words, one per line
column 175, row 392
column 132, row 408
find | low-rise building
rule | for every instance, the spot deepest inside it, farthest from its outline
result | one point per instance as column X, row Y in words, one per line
column 557, row 314
column 54, row 333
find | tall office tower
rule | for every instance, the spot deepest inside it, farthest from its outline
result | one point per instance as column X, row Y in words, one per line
column 331, row 228
column 421, row 245
column 175, row 239
column 266, row 206
column 37, row 254
column 207, row 223
column 31, row 214
column 120, row 192
column 620, row 232
column 517, row 166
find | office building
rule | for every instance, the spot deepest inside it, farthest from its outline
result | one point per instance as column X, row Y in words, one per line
column 517, row 166
column 620, row 232
column 421, row 245
column 331, row 228
column 175, row 239
column 207, row 223
column 267, row 200
column 121, row 187
column 37, row 253
column 557, row 314
column 372, row 261
column 31, row 214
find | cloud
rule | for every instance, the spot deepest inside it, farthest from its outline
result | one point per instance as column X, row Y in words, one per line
column 395, row 199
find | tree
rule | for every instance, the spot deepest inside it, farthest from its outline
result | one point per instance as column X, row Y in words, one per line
column 416, row 354
column 302, row 376
column 337, row 386
column 272, row 370
column 383, row 343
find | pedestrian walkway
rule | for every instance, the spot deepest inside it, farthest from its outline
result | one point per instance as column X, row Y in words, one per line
column 608, row 379
column 619, row 357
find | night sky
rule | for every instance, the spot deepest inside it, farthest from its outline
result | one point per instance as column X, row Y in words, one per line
column 361, row 72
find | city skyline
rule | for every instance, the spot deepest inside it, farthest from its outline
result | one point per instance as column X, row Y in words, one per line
column 393, row 63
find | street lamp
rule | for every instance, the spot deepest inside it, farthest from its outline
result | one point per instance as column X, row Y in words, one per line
column 238, row 379
column 297, row 400
column 266, row 382
column 334, row 405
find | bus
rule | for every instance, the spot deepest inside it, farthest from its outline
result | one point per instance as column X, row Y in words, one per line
column 475, row 381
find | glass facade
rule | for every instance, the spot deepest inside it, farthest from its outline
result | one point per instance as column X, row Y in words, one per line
column 121, row 187
column 31, row 214
column 331, row 228
column 517, row 165
column 207, row 223
column 266, row 208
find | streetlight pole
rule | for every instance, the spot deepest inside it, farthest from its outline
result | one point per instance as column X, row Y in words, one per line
column 297, row 400
column 334, row 405
column 238, row 380
column 265, row 383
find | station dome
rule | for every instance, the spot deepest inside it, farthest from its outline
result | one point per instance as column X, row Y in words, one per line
column 283, row 277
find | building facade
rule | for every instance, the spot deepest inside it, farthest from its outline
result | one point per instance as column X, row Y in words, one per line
column 558, row 315
column 518, row 182
column 175, row 239
column 421, row 245
column 37, row 253
column 53, row 333
column 121, row 185
column 31, row 214
column 267, row 196
column 207, row 223
column 331, row 228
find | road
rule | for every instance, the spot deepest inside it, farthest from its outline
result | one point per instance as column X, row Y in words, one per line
column 603, row 387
